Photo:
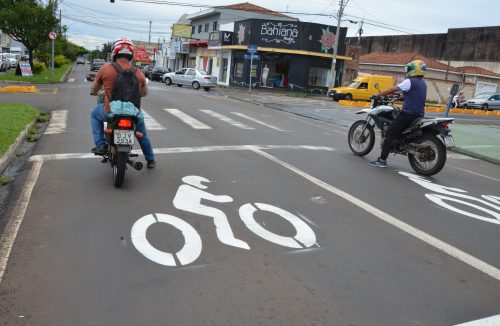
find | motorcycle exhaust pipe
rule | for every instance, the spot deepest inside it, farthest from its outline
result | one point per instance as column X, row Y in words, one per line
column 136, row 165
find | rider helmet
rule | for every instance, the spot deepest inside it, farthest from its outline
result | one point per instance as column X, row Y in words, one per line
column 123, row 47
column 415, row 68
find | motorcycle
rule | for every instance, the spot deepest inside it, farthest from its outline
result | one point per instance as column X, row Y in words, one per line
column 424, row 142
column 120, row 134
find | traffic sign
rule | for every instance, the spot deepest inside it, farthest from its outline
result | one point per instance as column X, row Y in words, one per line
column 52, row 35
column 252, row 56
column 252, row 49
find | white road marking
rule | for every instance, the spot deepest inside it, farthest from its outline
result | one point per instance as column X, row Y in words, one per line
column 151, row 123
column 188, row 253
column 10, row 233
column 421, row 235
column 258, row 121
column 177, row 150
column 227, row 119
column 194, row 123
column 57, row 123
column 304, row 236
column 490, row 321
column 475, row 173
column 460, row 157
column 71, row 80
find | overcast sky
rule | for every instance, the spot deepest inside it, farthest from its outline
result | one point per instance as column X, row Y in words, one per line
column 94, row 22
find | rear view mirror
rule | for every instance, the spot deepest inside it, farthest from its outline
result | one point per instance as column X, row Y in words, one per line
column 377, row 87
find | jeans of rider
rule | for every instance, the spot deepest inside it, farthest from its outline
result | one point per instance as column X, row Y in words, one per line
column 402, row 121
column 99, row 116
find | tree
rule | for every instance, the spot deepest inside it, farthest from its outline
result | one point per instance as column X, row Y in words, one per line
column 28, row 21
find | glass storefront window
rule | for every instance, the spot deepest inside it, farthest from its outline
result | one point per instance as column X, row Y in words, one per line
column 238, row 68
column 319, row 76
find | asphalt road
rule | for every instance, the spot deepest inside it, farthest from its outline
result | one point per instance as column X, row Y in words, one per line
column 253, row 216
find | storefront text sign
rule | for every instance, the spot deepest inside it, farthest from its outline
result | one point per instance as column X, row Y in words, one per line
column 279, row 33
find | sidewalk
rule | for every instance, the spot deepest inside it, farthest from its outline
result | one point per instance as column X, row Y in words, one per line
column 479, row 139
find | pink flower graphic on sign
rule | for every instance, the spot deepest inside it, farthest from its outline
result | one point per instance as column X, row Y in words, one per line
column 241, row 34
column 327, row 40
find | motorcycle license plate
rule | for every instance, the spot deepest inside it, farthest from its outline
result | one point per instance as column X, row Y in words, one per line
column 124, row 137
column 448, row 140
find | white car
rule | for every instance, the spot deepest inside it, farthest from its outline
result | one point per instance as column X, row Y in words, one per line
column 4, row 64
column 11, row 59
column 190, row 76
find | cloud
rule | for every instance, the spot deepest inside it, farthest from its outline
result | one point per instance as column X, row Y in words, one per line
column 89, row 42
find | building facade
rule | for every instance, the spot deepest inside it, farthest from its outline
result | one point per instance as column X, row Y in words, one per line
column 291, row 55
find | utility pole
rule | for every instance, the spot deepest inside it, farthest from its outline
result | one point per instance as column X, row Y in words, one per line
column 343, row 4
column 360, row 31
column 149, row 40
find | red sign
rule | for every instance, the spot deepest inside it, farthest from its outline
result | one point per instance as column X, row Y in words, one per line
column 141, row 54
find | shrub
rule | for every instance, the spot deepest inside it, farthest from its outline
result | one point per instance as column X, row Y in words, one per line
column 38, row 67
column 60, row 61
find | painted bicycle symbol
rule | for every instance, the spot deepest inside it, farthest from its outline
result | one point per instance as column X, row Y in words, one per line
column 189, row 198
column 487, row 206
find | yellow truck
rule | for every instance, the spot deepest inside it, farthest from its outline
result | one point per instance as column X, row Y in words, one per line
column 361, row 88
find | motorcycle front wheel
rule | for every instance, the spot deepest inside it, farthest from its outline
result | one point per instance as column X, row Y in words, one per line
column 431, row 160
column 361, row 138
column 119, row 167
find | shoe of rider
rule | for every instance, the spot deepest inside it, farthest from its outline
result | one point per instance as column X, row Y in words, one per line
column 122, row 53
column 151, row 164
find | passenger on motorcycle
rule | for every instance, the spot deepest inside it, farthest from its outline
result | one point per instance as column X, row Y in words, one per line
column 122, row 53
column 415, row 94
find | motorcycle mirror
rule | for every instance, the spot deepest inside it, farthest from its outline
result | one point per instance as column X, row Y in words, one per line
column 377, row 87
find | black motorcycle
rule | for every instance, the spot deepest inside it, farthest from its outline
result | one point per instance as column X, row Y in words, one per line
column 424, row 141
column 120, row 135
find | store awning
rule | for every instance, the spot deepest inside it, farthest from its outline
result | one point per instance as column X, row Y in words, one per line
column 287, row 51
column 198, row 43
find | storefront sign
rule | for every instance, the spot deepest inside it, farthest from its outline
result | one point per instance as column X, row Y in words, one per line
column 300, row 36
column 279, row 33
column 182, row 30
column 220, row 38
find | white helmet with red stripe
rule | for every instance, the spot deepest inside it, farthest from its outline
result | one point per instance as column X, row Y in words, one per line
column 123, row 47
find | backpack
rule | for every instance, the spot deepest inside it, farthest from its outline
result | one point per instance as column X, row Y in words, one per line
column 126, row 86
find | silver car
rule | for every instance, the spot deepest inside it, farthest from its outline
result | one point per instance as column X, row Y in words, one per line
column 485, row 101
column 190, row 76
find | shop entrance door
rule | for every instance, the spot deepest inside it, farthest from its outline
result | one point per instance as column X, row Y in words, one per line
column 281, row 74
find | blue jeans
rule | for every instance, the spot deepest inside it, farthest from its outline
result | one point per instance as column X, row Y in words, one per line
column 97, row 119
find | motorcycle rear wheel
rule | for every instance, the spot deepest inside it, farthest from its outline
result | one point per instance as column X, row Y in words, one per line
column 119, row 167
column 437, row 163
column 361, row 143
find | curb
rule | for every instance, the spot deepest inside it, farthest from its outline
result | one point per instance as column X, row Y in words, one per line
column 10, row 154
column 475, row 155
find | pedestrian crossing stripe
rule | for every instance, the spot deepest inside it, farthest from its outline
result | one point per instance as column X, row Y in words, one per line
column 194, row 123
column 227, row 119
column 151, row 123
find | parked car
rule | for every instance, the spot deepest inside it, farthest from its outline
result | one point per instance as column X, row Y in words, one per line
column 97, row 64
column 189, row 76
column 80, row 61
column 146, row 70
column 156, row 73
column 484, row 101
column 11, row 59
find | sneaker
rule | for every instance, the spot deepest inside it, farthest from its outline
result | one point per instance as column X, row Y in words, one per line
column 378, row 163
column 99, row 149
column 151, row 164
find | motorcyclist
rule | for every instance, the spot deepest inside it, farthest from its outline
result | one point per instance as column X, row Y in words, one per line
column 458, row 99
column 415, row 94
column 122, row 53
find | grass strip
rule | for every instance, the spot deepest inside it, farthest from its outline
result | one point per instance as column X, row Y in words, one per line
column 45, row 77
column 13, row 120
